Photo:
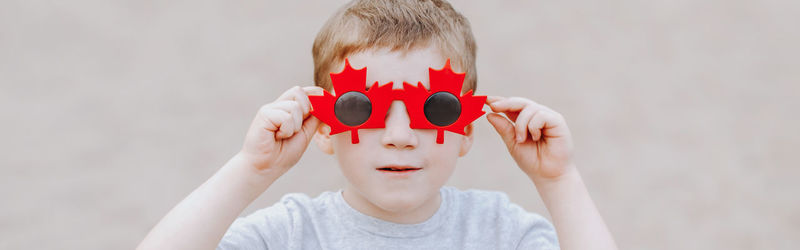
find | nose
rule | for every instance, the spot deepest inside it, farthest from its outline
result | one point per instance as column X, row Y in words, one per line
column 398, row 134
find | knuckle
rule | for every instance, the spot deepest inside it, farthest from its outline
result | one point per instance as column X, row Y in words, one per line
column 559, row 116
column 528, row 110
column 297, row 91
column 549, row 116
column 287, row 116
column 521, row 99
column 264, row 109
column 276, row 114
column 554, row 114
column 294, row 105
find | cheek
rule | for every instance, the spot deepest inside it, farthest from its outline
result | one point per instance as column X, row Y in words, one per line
column 355, row 155
column 442, row 155
column 351, row 159
column 346, row 152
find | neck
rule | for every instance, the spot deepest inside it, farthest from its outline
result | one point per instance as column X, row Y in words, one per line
column 416, row 215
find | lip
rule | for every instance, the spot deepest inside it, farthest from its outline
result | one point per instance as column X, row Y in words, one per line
column 398, row 170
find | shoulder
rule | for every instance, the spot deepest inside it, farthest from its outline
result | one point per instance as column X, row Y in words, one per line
column 293, row 208
column 494, row 210
column 298, row 202
column 477, row 200
column 276, row 224
column 487, row 200
column 473, row 195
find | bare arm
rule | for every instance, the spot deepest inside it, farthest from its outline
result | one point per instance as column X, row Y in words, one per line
column 201, row 219
column 540, row 142
column 577, row 221
column 276, row 139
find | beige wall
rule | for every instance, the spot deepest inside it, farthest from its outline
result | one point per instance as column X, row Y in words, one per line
column 684, row 112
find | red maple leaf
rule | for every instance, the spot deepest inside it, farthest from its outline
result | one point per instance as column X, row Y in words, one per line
column 352, row 80
column 448, row 81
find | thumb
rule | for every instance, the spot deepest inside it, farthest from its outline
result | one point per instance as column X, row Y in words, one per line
column 310, row 127
column 503, row 126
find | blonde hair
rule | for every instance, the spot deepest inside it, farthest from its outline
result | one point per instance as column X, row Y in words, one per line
column 400, row 25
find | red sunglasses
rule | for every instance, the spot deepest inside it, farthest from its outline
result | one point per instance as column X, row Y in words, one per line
column 355, row 107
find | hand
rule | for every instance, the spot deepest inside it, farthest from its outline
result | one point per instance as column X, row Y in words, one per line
column 547, row 152
column 281, row 131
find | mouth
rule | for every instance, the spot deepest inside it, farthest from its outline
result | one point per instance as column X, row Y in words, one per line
column 398, row 169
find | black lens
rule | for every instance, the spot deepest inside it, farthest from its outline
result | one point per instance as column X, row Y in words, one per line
column 442, row 108
column 352, row 108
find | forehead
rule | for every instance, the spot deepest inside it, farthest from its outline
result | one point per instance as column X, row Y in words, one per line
column 386, row 66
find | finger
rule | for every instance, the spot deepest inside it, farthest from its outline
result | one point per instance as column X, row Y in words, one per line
column 287, row 95
column 293, row 108
column 545, row 124
column 297, row 114
column 310, row 126
column 539, row 106
column 515, row 104
column 281, row 119
column 301, row 98
column 286, row 129
column 512, row 104
column 297, row 94
column 274, row 119
column 300, row 94
column 309, row 90
column 312, row 90
column 493, row 98
column 536, row 125
column 521, row 123
column 503, row 126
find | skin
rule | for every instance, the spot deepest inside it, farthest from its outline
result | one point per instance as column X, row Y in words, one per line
column 537, row 138
column 375, row 193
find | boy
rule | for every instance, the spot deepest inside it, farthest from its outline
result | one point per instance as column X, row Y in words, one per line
column 394, row 198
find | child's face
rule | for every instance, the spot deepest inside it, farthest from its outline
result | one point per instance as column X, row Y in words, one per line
column 396, row 145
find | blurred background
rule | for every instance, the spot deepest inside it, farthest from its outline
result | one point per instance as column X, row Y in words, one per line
column 684, row 113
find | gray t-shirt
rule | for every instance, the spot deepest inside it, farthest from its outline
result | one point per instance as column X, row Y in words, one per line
column 471, row 219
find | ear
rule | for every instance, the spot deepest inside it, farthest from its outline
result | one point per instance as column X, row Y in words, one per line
column 323, row 138
column 466, row 140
